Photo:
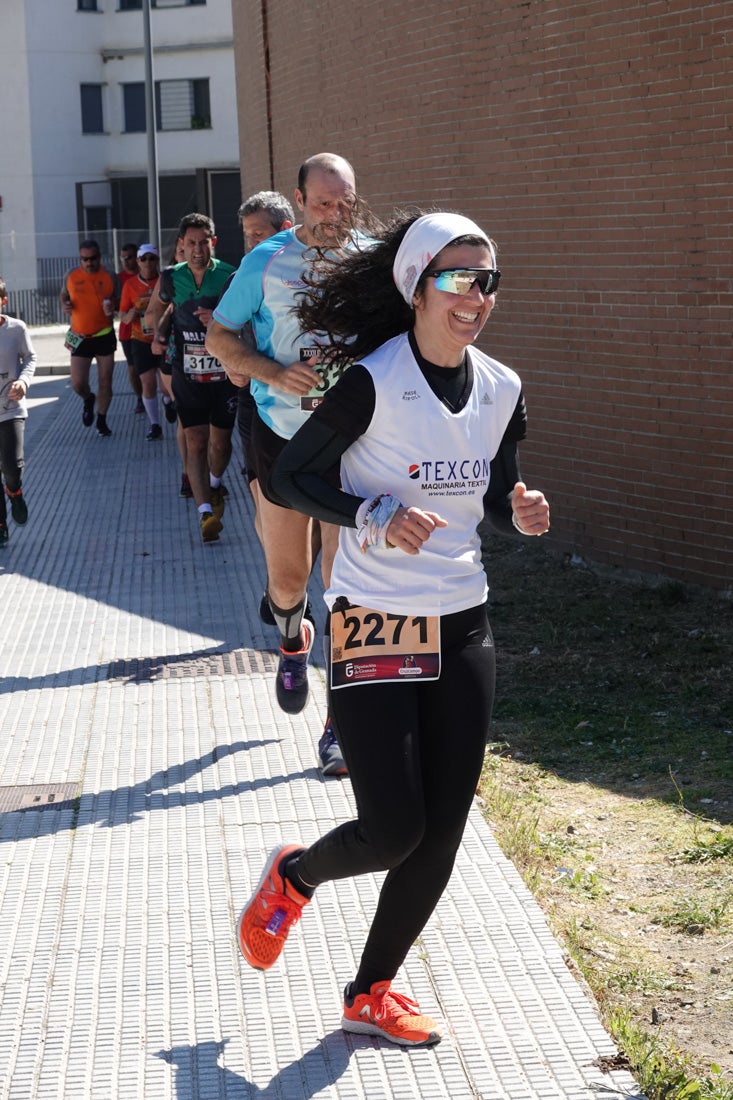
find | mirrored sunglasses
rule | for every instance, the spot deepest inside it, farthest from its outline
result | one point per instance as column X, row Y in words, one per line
column 460, row 280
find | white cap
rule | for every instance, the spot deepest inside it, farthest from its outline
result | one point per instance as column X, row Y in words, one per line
column 147, row 250
column 424, row 240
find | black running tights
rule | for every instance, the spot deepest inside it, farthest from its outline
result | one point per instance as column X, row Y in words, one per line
column 11, row 459
column 414, row 754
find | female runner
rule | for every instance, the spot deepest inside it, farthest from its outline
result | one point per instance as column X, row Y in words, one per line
column 425, row 428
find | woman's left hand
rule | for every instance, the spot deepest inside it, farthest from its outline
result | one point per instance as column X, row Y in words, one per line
column 411, row 527
column 531, row 510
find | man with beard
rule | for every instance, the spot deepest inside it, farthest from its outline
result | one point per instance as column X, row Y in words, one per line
column 287, row 385
column 205, row 398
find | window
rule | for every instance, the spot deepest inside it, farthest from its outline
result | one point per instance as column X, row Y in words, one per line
column 179, row 105
column 92, row 118
column 133, row 108
column 136, row 5
column 86, row 5
column 182, row 105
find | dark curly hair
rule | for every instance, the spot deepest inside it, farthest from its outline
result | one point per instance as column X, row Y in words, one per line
column 352, row 300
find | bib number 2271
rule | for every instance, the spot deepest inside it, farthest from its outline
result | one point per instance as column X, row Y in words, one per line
column 369, row 646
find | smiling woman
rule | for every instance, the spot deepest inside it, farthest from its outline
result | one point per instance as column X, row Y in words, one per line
column 425, row 429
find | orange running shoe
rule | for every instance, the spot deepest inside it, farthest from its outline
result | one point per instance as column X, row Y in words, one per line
column 271, row 912
column 394, row 1017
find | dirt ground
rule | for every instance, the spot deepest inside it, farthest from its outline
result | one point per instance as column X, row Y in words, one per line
column 609, row 782
column 608, row 874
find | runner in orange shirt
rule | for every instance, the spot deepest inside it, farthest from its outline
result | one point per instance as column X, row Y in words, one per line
column 89, row 296
column 128, row 257
column 135, row 300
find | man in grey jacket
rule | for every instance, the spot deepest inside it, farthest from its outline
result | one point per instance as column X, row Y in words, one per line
column 17, row 365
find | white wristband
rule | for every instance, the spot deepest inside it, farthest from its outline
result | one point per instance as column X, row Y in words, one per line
column 373, row 518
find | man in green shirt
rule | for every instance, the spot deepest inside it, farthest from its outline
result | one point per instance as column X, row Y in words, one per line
column 205, row 398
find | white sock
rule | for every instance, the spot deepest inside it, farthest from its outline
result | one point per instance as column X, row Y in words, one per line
column 214, row 482
column 151, row 408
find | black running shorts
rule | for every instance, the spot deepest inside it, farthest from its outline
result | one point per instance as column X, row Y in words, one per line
column 204, row 402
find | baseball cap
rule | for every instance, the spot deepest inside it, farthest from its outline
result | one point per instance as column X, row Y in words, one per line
column 147, row 250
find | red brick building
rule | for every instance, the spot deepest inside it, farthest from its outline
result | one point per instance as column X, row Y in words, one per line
column 594, row 142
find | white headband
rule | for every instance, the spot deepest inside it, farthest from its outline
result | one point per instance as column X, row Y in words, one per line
column 424, row 240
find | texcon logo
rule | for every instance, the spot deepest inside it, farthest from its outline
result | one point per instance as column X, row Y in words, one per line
column 449, row 469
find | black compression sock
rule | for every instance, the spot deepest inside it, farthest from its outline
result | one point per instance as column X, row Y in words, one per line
column 288, row 621
column 289, row 870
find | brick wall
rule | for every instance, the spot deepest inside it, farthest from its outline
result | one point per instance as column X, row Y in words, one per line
column 593, row 141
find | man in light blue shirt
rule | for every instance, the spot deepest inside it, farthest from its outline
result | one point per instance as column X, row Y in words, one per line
column 286, row 385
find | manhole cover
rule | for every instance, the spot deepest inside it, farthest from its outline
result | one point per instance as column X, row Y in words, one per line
column 38, row 796
column 237, row 662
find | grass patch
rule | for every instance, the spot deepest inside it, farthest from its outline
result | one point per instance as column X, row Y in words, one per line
column 694, row 918
column 609, row 784
column 661, row 1070
column 707, row 850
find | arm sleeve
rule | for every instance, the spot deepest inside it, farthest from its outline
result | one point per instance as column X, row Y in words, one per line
column 27, row 359
column 505, row 473
column 299, row 475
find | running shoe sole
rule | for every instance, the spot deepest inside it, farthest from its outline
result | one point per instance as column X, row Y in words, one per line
column 210, row 527
column 362, row 1027
column 261, row 944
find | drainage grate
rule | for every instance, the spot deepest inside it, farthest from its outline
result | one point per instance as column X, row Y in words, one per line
column 236, row 662
column 38, row 796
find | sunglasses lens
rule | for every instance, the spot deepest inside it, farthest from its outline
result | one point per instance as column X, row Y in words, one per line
column 461, row 281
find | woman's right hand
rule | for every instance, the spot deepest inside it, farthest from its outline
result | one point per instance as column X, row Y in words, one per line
column 411, row 527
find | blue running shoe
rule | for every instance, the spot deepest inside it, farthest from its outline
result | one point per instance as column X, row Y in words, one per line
column 332, row 762
column 291, row 682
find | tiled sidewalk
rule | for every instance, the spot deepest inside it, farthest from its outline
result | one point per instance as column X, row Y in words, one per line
column 136, row 687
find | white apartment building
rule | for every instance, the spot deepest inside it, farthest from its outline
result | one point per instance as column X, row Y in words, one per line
column 73, row 147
